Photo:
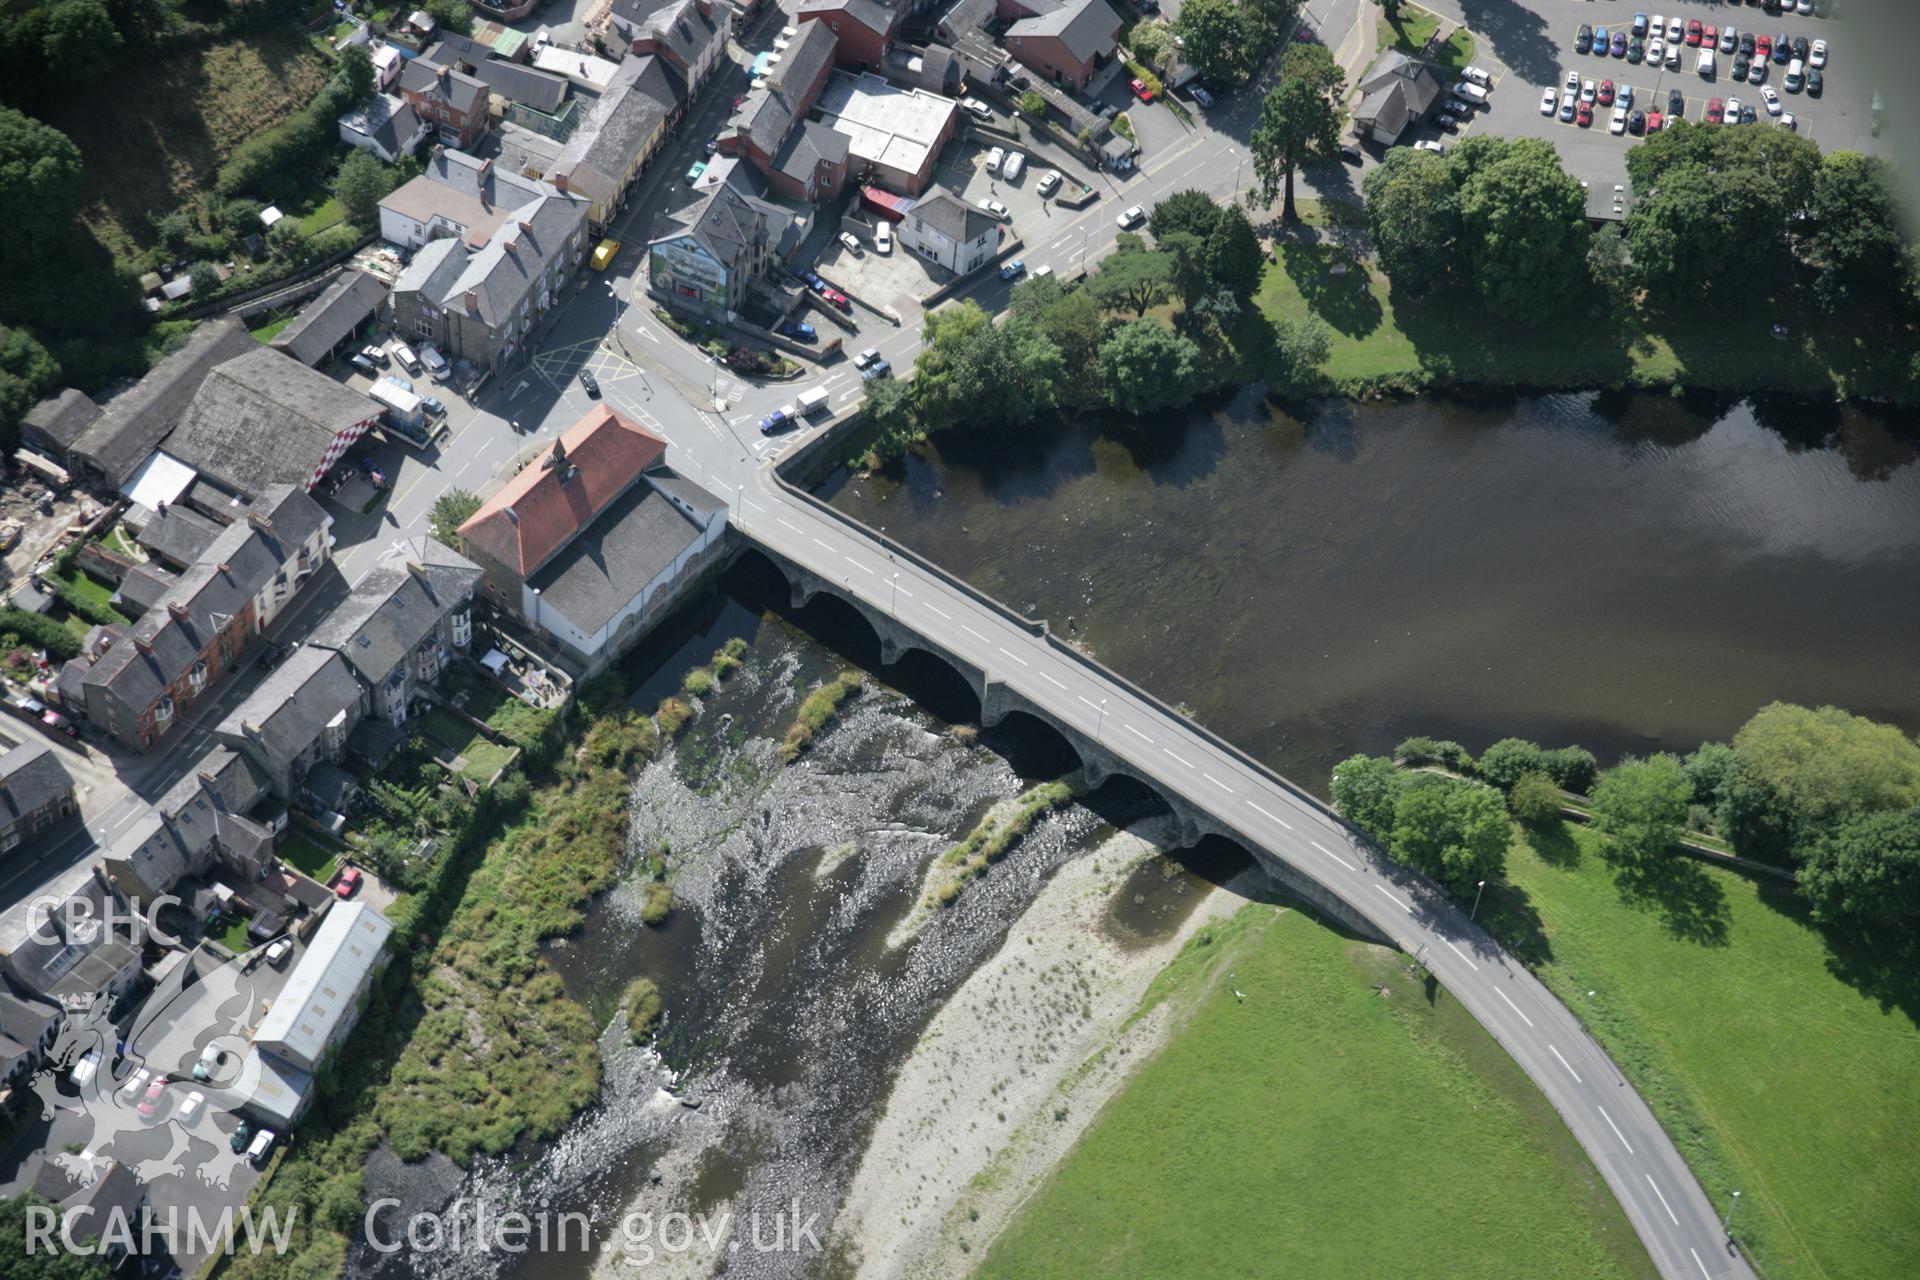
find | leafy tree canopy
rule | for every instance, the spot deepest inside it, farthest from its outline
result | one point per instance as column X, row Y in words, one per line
column 1147, row 367
column 1457, row 832
column 1413, row 215
column 1300, row 121
column 1642, row 805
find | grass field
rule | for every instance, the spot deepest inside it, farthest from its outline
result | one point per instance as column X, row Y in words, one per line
column 1320, row 1128
column 233, row 936
column 195, row 107
column 1450, row 337
column 1774, row 1076
column 1411, row 28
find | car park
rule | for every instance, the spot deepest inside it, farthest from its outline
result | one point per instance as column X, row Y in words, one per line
column 347, row 883
column 1636, row 122
column 1132, row 216
column 1568, row 106
column 1656, row 51
column 1693, row 32
column 1588, row 91
column 150, row 1101
column 278, row 952
column 1438, row 148
column 1676, row 103
column 1605, row 94
column 1012, row 269
column 1583, row 40
column 1618, row 121
column 883, row 237
column 797, row 330
column 1585, row 117
column 851, row 244
column 1817, row 55
column 997, row 209
column 1654, row 121
column 1477, row 75
column 1549, row 102
column 1140, row 89
column 1049, row 183
column 1729, row 40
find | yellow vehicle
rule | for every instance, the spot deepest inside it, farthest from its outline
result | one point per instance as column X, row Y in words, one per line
column 603, row 254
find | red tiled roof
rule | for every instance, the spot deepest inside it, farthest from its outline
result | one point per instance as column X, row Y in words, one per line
column 541, row 509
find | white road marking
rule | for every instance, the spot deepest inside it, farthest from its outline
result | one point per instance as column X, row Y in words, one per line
column 1186, row 763
column 1348, row 865
column 1463, row 955
column 1571, row 1071
column 818, row 543
column 1216, row 782
column 1136, row 733
column 1616, row 1129
column 1699, row 1264
column 903, row 591
column 1050, row 680
column 1663, row 1202
column 1511, row 1005
column 970, row 631
column 942, row 612
column 1089, row 701
column 1263, row 813
column 856, row 564
column 783, row 520
column 1406, row 907
column 1011, row 654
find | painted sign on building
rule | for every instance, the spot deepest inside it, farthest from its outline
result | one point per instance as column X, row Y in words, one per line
column 683, row 269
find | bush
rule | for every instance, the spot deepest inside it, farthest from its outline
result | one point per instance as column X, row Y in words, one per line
column 656, row 903
column 672, row 717
column 724, row 665
column 816, row 711
column 1504, row 761
column 698, row 683
column 642, row 1003
column 1033, row 105
column 735, row 648
column 41, row 633
column 1419, row 751
column 1573, row 768
column 1534, row 799
column 81, row 605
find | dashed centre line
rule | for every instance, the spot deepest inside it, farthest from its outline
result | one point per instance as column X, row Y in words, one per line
column 1664, row 1205
column 1567, row 1065
column 1463, row 955
column 1216, row 782
column 1184, row 763
column 1348, row 865
column 1136, row 733
column 1406, row 907
column 1616, row 1128
column 1011, row 654
column 1511, row 1005
column 970, row 631
column 1274, row 817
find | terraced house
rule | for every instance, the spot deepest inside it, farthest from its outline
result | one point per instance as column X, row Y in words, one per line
column 154, row 675
column 689, row 35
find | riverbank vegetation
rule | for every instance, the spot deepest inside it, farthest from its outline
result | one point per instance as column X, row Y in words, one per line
column 471, row 1043
column 817, row 710
column 641, row 1000
column 1319, row 1113
column 995, row 834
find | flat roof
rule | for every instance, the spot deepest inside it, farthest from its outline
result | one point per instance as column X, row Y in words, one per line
column 884, row 123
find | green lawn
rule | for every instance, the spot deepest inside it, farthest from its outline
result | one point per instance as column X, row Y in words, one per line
column 1320, row 1129
column 118, row 540
column 87, row 588
column 484, row 758
column 309, row 855
column 1381, row 335
column 270, row 323
column 1410, row 29
column 1776, row 1078
column 233, row 936
column 323, row 215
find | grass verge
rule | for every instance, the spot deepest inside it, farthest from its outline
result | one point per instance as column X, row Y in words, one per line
column 1337, row 1121
column 1727, row 1009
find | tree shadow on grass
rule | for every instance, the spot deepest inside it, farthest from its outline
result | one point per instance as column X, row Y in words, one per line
column 1509, row 915
column 1456, row 339
column 1555, row 844
column 1884, row 966
column 1691, row 903
column 1333, row 286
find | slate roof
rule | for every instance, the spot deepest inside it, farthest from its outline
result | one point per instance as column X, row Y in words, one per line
column 31, row 778
column 462, row 53
column 144, row 586
column 951, row 216
column 606, row 146
column 1397, row 89
column 23, row 1019
column 293, row 706
column 193, row 813
column 536, row 512
column 393, row 609
column 134, row 422
column 679, row 25
column 671, row 482
column 51, row 951
column 499, row 261
column 783, row 96
column 60, row 419
column 470, row 192
column 729, row 223
column 966, row 16
column 350, row 301
column 870, row 14
column 440, row 83
column 1086, row 27
column 209, row 596
column 537, row 89
column 265, row 419
column 392, row 122
column 807, row 147
column 115, row 1197
column 178, row 534
column 600, row 572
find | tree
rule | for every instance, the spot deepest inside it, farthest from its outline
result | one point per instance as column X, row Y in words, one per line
column 1300, row 121
column 1696, row 186
column 352, row 78
column 81, row 38
column 1675, row 238
column 1131, row 278
column 1152, row 43
column 890, row 406
column 205, row 279
column 1146, row 366
column 1534, row 799
column 451, row 510
column 44, row 1263
column 1233, row 256
column 1213, row 41
column 1865, row 872
column 1504, row 761
column 1413, row 215
column 1642, row 805
column 1191, row 211
column 1457, row 832
column 1571, row 768
column 39, row 183
column 1074, row 324
column 1710, row 769
column 452, row 15
column 1187, row 252
column 1823, row 764
column 1301, row 345
column 1365, row 789
column 983, row 374
column 1856, row 245
column 360, row 185
column 1523, row 229
column 27, row 373
column 1610, row 265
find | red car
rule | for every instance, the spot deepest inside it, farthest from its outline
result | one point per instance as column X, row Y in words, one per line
column 59, row 723
column 348, row 882
column 1693, row 32
column 1606, row 93
column 1654, row 121
column 1715, row 109
column 1141, row 91
column 836, row 298
column 1586, row 114
column 1762, row 47
column 1710, row 37
column 150, row 1101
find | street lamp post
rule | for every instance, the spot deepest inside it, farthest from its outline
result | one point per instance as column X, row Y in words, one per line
column 1476, row 901
column 1726, row 1223
column 895, row 608
column 1101, row 723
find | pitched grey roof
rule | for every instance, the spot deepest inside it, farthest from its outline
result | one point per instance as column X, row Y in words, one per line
column 23, row 1019
column 1397, row 89
column 443, row 84
column 606, row 146
column 675, row 485
column 178, row 534
column 392, row 122
column 502, row 271
column 679, row 24
column 115, row 1198
column 807, row 147
column 31, row 777
column 729, row 224
column 144, row 586
column 263, row 419
column 393, row 609
column 965, row 16
column 606, row 566
column 1086, row 27
column 343, row 306
column 137, row 420
column 234, row 568
column 196, row 810
column 870, row 14
column 451, row 49
column 788, row 90
column 951, row 216
column 50, row 953
column 60, row 419
column 293, row 706
column 537, row 89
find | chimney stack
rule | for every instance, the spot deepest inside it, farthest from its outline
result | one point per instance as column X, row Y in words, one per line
column 226, row 570
column 141, row 646
column 472, row 300
column 526, row 226
column 178, row 610
column 259, row 521
column 419, row 570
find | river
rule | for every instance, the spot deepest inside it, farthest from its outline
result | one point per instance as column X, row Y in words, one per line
column 1628, row 573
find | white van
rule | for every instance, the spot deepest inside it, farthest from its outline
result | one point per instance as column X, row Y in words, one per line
column 994, row 159
column 1705, row 65
column 1470, row 93
column 262, row 1143
column 1477, row 75
column 1015, row 166
column 1796, row 76
column 404, row 354
column 812, row 400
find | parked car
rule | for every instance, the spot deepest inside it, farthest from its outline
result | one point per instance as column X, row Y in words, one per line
column 1772, row 99
column 1762, row 47
column 1458, row 109
column 1676, row 103
column 1782, row 48
column 995, row 158
column 798, row 330
column 1585, row 117
column 1438, row 148
column 1817, row 55
column 1583, row 39
column 978, row 109
column 1015, row 166
column 434, row 405
column 997, row 209
column 1619, row 46
column 1636, row 50
column 1730, row 114
column 1748, row 43
column 1351, row 154
column 1201, row 96
column 279, row 950
column 589, row 383
column 242, row 1135
column 1470, row 93
column 365, row 366
column 883, row 237
column 1729, row 40
column 878, row 369
column 408, row 361
column 84, row 1070
column 870, row 356
column 1676, row 30
column 1477, row 75
column 836, row 299
column 209, row 1059
column 1654, row 121
column 1049, row 183
column 376, row 354
column 134, row 1084
column 150, row 1101
column 1618, row 122
column 1013, row 269
column 1140, row 89
column 1790, row 124
column 261, row 1146
column 55, row 722
column 1605, row 95
column 1816, row 84
column 1710, row 36
column 1656, row 52
column 190, row 1107
column 348, row 882
column 1741, row 67
column 1548, row 101
column 1568, row 105
column 851, row 244
column 1639, row 24
column 1716, row 111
